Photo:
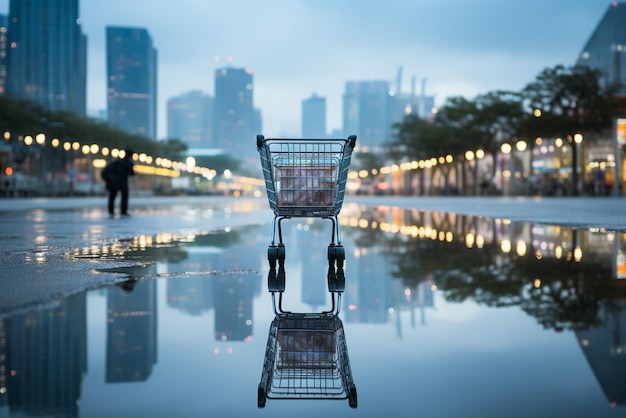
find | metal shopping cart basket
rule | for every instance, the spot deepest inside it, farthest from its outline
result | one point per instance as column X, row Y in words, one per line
column 305, row 178
column 306, row 358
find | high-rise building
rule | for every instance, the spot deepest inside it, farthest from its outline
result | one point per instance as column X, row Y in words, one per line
column 314, row 117
column 606, row 48
column 189, row 118
column 235, row 121
column 47, row 55
column 367, row 110
column 4, row 27
column 131, row 80
column 408, row 104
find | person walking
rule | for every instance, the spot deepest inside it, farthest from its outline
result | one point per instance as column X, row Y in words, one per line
column 115, row 175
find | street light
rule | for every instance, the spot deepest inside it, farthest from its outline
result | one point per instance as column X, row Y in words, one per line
column 507, row 149
column 578, row 139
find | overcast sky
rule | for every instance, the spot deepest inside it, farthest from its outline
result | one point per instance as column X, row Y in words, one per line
column 298, row 47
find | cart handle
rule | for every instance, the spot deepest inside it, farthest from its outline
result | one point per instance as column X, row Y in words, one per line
column 260, row 140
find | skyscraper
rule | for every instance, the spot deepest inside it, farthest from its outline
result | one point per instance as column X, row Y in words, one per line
column 235, row 120
column 606, row 48
column 189, row 118
column 4, row 27
column 131, row 80
column 367, row 109
column 314, row 117
column 47, row 56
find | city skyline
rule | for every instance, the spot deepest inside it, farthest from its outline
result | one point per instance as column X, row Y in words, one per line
column 301, row 48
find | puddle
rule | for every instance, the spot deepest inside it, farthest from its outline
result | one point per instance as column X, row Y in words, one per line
column 449, row 315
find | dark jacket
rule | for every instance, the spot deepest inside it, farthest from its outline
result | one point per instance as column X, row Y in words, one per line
column 116, row 173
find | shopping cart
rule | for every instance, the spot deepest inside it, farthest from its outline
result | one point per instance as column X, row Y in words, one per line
column 305, row 178
column 306, row 358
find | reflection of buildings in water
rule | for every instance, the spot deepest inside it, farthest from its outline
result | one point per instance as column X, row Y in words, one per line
column 230, row 292
column 46, row 358
column 604, row 347
column 233, row 306
column 368, row 295
column 234, row 292
column 4, row 369
column 419, row 298
column 131, row 332
column 412, row 299
column 193, row 295
column 372, row 293
column 312, row 247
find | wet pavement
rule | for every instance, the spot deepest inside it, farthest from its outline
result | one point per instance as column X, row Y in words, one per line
column 453, row 307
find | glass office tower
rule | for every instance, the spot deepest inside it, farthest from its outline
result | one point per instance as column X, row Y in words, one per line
column 606, row 48
column 234, row 118
column 47, row 54
column 314, row 117
column 189, row 118
column 367, row 109
column 131, row 80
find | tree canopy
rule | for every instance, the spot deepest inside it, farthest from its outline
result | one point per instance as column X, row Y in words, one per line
column 569, row 101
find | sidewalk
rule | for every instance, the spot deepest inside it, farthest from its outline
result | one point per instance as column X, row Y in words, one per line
column 583, row 212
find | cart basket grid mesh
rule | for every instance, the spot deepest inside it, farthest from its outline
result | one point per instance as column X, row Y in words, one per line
column 305, row 178
column 308, row 358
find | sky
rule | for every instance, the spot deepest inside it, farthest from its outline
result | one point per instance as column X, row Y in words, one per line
column 299, row 47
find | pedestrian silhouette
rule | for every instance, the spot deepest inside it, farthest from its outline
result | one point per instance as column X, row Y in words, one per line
column 115, row 175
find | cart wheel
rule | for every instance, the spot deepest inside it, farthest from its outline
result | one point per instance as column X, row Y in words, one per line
column 332, row 279
column 340, row 283
column 261, row 138
column 280, row 252
column 332, row 253
column 281, row 279
column 272, row 255
column 261, row 398
column 272, row 281
column 352, row 141
column 352, row 399
column 340, row 253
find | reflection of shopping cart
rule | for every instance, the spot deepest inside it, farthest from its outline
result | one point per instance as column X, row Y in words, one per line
column 306, row 358
column 305, row 178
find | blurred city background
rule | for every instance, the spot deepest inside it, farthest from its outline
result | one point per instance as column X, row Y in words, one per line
column 562, row 134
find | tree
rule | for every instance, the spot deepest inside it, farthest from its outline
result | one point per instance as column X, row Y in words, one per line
column 498, row 118
column 568, row 102
column 456, row 122
column 416, row 138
